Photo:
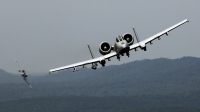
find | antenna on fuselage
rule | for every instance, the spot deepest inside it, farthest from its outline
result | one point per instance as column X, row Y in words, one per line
column 138, row 40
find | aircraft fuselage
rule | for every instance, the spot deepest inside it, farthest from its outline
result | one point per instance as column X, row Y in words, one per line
column 121, row 47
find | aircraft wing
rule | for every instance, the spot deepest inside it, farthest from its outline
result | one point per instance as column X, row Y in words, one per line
column 27, row 83
column 158, row 35
column 18, row 64
column 83, row 63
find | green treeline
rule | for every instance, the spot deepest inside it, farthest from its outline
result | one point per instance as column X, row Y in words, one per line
column 103, row 104
column 160, row 85
column 146, row 77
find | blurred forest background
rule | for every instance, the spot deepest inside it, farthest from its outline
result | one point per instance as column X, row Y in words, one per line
column 162, row 84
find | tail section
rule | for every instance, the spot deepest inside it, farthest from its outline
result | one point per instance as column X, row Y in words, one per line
column 94, row 65
column 142, row 45
column 137, row 38
column 90, row 51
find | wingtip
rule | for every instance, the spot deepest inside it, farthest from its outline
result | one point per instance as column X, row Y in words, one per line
column 186, row 20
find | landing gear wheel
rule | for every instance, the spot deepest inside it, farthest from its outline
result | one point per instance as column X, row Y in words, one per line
column 145, row 49
column 127, row 54
column 118, row 57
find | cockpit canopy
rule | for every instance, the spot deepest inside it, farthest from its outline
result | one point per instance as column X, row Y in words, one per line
column 119, row 38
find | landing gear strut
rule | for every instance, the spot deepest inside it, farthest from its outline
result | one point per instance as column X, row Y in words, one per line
column 127, row 54
column 145, row 49
column 118, row 57
column 94, row 66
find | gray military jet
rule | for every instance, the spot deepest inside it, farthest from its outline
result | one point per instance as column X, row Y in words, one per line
column 23, row 73
column 123, row 44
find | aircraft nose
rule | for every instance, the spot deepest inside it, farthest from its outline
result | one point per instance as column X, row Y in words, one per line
column 123, row 46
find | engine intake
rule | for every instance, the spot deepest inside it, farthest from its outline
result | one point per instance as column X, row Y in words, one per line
column 129, row 38
column 105, row 48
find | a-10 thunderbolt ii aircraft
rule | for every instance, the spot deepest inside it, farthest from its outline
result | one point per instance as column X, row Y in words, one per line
column 123, row 44
column 23, row 73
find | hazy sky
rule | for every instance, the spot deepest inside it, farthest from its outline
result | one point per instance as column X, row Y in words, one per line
column 46, row 34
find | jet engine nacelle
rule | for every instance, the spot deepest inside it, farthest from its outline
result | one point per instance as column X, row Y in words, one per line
column 105, row 48
column 129, row 38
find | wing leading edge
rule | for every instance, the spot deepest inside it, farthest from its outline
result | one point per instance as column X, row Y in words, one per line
column 83, row 63
column 158, row 35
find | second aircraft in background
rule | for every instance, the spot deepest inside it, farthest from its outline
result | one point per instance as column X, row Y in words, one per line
column 23, row 73
column 123, row 44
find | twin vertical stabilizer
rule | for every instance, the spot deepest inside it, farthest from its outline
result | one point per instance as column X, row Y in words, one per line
column 137, row 38
column 91, row 51
column 94, row 65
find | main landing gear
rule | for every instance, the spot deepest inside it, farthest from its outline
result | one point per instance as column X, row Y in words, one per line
column 118, row 57
column 127, row 54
